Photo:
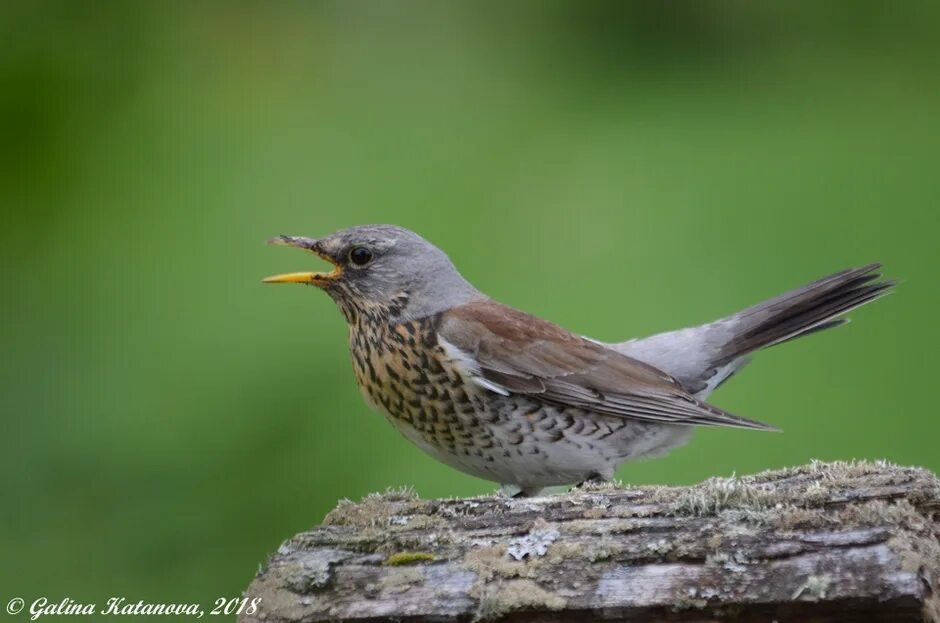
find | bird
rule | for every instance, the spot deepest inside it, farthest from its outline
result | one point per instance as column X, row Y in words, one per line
column 508, row 397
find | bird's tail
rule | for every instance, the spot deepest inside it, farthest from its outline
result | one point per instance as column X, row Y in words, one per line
column 704, row 357
column 811, row 308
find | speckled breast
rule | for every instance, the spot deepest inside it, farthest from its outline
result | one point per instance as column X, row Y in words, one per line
column 404, row 373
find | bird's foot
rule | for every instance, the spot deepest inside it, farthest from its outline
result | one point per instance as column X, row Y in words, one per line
column 593, row 479
column 597, row 480
column 516, row 492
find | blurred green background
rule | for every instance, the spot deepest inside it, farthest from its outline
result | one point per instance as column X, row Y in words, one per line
column 619, row 168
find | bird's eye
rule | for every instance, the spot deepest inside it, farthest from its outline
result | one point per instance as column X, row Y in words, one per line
column 360, row 256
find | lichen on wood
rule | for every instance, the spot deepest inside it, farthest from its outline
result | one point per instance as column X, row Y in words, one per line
column 827, row 541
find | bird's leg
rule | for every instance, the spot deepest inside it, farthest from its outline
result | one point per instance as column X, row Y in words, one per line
column 594, row 478
column 516, row 492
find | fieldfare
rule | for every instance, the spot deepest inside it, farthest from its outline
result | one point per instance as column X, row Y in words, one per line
column 511, row 398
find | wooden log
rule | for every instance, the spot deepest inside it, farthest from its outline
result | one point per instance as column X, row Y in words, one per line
column 821, row 542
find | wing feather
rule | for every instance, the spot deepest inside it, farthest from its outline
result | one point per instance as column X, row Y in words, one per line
column 511, row 352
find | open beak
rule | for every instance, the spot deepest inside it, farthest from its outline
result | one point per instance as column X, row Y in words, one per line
column 313, row 279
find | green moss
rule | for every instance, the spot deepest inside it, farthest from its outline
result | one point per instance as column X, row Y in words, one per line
column 408, row 558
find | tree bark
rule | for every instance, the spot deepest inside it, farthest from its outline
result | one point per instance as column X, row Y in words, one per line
column 821, row 542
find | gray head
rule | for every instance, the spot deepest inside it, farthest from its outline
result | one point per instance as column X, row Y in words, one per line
column 382, row 269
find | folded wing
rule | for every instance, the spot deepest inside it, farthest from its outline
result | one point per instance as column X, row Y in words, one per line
column 511, row 352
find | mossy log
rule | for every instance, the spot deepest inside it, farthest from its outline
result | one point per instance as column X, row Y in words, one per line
column 821, row 542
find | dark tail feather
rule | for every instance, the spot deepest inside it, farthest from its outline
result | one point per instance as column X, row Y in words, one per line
column 814, row 307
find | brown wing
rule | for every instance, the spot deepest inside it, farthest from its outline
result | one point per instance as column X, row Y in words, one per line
column 521, row 354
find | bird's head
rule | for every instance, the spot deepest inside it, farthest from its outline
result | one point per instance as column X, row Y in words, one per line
column 381, row 269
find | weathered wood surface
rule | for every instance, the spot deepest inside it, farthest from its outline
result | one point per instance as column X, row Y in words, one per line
column 822, row 542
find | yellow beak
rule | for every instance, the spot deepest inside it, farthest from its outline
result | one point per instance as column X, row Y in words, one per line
column 308, row 278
